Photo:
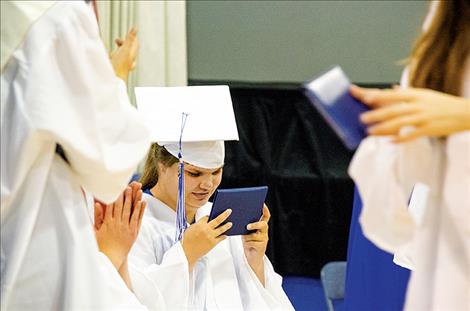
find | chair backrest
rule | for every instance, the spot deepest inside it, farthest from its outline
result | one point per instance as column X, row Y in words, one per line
column 333, row 279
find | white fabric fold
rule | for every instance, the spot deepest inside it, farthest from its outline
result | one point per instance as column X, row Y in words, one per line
column 59, row 88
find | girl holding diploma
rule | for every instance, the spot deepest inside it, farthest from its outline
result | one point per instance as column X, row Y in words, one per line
column 204, row 270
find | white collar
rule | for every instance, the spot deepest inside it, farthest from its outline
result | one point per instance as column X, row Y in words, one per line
column 162, row 212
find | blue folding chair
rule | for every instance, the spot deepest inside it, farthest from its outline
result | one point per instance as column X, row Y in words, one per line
column 333, row 279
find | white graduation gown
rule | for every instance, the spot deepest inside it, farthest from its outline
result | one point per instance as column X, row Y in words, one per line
column 436, row 241
column 58, row 87
column 220, row 280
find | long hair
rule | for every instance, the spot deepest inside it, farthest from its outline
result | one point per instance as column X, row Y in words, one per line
column 438, row 58
column 157, row 154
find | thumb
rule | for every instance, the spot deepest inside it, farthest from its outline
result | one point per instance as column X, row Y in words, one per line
column 118, row 41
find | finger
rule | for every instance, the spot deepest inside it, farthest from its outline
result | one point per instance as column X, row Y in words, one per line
column 214, row 223
column 377, row 97
column 407, row 138
column 413, row 134
column 131, row 34
column 117, row 213
column 220, row 238
column 126, row 210
column 133, row 52
column 266, row 214
column 136, row 191
column 388, row 112
column 98, row 215
column 203, row 219
column 142, row 212
column 262, row 226
column 360, row 92
column 133, row 31
column 134, row 223
column 108, row 212
column 135, row 185
column 393, row 126
column 138, row 197
column 222, row 229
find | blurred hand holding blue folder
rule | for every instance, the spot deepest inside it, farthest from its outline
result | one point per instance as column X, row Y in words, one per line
column 246, row 205
column 329, row 94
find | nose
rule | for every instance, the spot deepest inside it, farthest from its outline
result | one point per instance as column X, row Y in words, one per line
column 207, row 183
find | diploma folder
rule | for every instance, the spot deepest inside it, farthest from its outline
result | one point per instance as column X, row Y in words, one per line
column 329, row 94
column 246, row 205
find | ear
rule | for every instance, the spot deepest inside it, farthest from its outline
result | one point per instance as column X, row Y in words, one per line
column 161, row 168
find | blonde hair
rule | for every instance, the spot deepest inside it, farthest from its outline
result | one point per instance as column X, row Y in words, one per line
column 157, row 154
column 439, row 54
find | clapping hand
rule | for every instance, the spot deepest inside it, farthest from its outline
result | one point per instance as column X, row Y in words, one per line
column 123, row 58
column 117, row 225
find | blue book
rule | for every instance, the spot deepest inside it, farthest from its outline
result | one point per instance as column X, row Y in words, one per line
column 246, row 205
column 329, row 94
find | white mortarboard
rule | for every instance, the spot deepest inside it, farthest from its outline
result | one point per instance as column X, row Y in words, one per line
column 210, row 120
column 192, row 124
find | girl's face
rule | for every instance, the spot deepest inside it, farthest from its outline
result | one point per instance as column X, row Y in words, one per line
column 199, row 184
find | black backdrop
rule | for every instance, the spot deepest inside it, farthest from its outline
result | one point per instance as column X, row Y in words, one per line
column 285, row 144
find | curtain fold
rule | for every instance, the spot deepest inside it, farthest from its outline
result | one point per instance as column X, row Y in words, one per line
column 161, row 25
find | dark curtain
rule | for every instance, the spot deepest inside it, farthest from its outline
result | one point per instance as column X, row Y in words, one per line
column 285, row 144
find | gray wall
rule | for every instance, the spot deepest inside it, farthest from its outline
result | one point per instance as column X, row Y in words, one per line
column 291, row 41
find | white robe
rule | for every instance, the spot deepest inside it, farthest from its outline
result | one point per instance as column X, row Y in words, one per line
column 435, row 244
column 220, row 280
column 58, row 87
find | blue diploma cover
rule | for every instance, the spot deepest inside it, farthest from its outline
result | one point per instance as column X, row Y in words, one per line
column 329, row 94
column 246, row 205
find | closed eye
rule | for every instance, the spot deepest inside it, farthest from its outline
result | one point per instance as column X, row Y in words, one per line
column 193, row 174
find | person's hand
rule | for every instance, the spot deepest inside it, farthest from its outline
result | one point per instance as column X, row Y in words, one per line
column 429, row 112
column 117, row 231
column 100, row 208
column 203, row 236
column 255, row 244
column 123, row 58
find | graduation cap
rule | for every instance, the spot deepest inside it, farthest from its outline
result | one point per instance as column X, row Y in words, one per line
column 191, row 123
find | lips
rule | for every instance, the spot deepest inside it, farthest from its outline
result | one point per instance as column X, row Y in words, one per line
column 200, row 195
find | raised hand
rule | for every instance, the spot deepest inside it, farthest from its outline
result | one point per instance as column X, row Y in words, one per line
column 120, row 225
column 203, row 236
column 123, row 58
column 429, row 113
column 255, row 244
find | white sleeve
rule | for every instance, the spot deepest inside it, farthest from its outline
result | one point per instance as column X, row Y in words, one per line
column 145, row 289
column 254, row 295
column 117, row 288
column 170, row 277
column 385, row 174
column 73, row 98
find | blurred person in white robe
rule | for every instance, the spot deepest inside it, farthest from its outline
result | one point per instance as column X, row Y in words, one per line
column 427, row 129
column 205, row 270
column 69, row 135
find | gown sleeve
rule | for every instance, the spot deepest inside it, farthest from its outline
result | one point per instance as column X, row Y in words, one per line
column 66, row 93
column 254, row 295
column 162, row 268
column 385, row 181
